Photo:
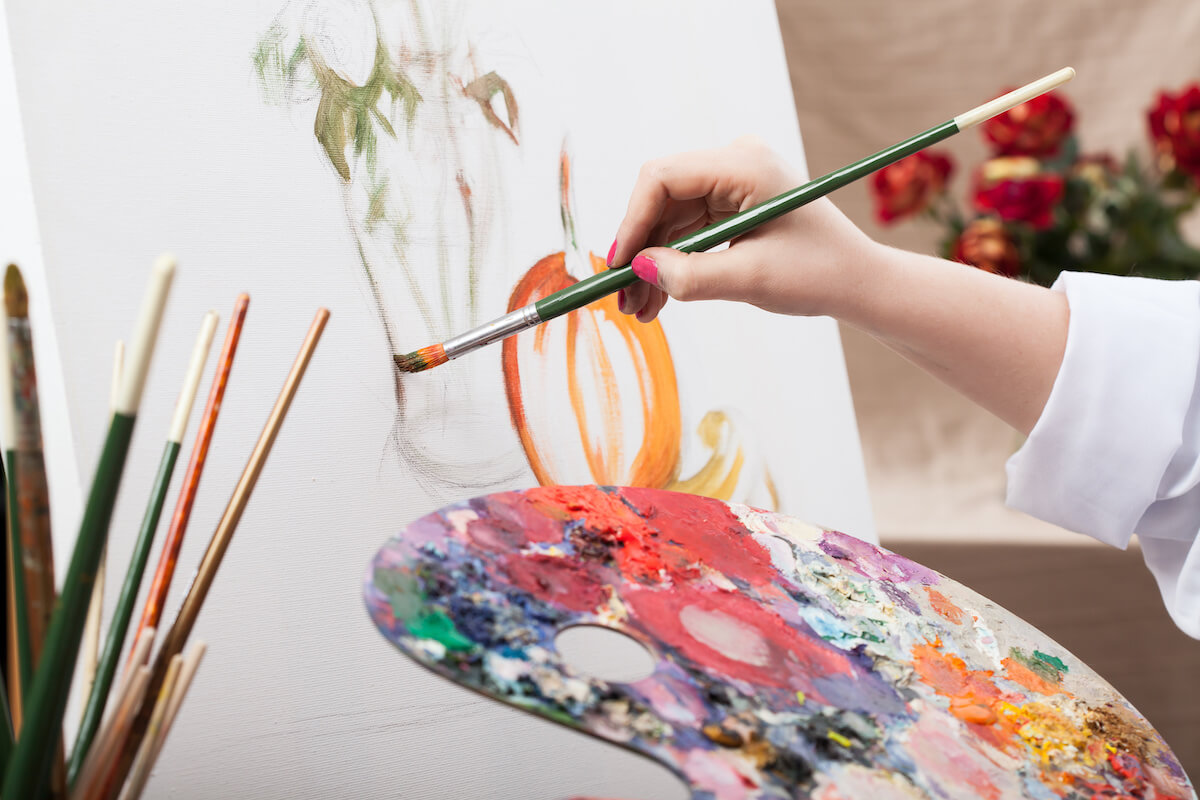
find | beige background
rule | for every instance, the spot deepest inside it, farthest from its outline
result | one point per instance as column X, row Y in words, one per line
column 870, row 72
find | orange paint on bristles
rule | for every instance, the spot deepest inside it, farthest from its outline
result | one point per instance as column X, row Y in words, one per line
column 423, row 359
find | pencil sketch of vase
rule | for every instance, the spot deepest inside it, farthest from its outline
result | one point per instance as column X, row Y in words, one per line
column 417, row 129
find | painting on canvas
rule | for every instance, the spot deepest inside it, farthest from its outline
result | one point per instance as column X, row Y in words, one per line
column 417, row 167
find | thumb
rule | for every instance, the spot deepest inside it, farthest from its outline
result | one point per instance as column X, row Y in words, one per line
column 690, row 276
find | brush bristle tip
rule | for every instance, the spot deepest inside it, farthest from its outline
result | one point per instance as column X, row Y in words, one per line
column 16, row 299
column 421, row 360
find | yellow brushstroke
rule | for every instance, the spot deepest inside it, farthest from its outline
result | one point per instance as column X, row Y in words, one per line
column 719, row 476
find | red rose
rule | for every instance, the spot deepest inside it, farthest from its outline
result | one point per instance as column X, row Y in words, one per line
column 1037, row 127
column 986, row 244
column 910, row 185
column 1016, row 192
column 1175, row 130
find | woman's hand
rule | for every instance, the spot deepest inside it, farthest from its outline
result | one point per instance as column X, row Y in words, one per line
column 996, row 340
column 806, row 262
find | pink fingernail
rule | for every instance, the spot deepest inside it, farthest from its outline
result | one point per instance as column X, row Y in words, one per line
column 612, row 251
column 645, row 268
column 621, row 300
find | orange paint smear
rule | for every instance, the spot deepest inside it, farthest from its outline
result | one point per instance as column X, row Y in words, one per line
column 1017, row 672
column 944, row 606
column 974, row 698
column 545, row 277
column 657, row 459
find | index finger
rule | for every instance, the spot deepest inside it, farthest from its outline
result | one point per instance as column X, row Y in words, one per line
column 678, row 178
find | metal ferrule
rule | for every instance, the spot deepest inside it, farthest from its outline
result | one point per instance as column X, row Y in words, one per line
column 511, row 323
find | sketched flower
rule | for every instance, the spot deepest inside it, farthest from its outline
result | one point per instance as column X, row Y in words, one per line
column 1175, row 130
column 909, row 186
column 1016, row 191
column 342, row 36
column 1037, row 127
column 986, row 244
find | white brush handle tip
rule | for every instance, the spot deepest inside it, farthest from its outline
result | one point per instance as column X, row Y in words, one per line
column 1013, row 99
column 141, row 348
column 191, row 381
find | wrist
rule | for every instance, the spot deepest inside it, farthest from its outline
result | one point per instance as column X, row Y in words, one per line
column 859, row 287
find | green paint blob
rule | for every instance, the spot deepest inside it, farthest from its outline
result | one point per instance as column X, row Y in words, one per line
column 403, row 592
column 1053, row 661
column 1046, row 667
column 434, row 624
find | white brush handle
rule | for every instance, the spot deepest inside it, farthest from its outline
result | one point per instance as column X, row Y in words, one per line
column 141, row 347
column 1013, row 99
column 191, row 381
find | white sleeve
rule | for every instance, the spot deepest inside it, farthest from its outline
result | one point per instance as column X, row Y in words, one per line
column 1117, row 448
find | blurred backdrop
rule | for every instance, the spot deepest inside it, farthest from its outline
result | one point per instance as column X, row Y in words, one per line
column 868, row 73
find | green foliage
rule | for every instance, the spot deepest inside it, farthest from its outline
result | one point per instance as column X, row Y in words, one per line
column 275, row 67
column 348, row 118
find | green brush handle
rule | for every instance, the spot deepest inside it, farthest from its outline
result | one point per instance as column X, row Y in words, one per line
column 47, row 697
column 605, row 283
column 119, row 626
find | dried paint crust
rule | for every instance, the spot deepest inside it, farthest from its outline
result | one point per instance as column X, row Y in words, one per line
column 791, row 661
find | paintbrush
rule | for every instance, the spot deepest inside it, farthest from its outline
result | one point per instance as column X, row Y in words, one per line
column 176, row 637
column 29, row 473
column 46, row 699
column 100, row 755
column 152, row 745
column 605, row 283
column 20, row 669
column 91, row 630
column 173, row 540
column 32, row 491
column 119, row 626
column 141, row 765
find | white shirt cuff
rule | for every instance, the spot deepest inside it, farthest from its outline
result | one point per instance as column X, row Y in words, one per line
column 1097, row 457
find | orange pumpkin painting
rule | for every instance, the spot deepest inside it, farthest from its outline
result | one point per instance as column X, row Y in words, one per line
column 593, row 394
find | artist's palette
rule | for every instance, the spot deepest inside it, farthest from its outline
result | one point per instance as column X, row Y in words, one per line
column 791, row 661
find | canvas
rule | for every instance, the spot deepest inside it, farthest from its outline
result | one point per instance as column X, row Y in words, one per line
column 417, row 168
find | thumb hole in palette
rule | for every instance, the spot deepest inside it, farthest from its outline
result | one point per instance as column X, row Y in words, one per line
column 604, row 653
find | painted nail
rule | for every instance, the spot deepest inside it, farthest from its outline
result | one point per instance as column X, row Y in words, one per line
column 645, row 268
column 612, row 251
column 621, row 300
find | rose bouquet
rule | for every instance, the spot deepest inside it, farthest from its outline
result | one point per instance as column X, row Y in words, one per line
column 1038, row 206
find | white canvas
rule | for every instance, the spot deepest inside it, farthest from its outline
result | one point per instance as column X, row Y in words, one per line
column 152, row 128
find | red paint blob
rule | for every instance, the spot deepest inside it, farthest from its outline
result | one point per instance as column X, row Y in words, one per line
column 560, row 581
column 766, row 652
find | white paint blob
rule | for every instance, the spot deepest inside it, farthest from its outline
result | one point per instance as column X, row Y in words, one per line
column 725, row 634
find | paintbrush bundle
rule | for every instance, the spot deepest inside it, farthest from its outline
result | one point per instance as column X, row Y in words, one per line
column 126, row 718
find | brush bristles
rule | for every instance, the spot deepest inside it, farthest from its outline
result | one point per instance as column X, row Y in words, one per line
column 423, row 359
column 16, row 301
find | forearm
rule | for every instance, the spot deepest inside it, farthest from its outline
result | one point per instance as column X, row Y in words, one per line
column 998, row 341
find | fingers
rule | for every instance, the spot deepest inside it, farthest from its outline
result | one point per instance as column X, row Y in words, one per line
column 677, row 195
column 658, row 299
column 694, row 276
column 684, row 276
column 674, row 191
column 635, row 297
